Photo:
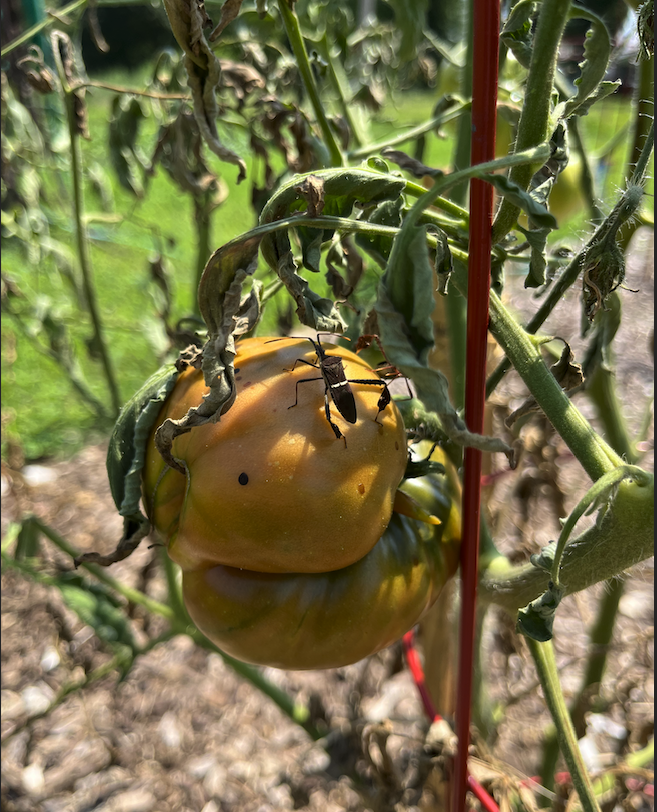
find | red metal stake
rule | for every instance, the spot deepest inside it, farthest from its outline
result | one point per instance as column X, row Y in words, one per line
column 484, row 109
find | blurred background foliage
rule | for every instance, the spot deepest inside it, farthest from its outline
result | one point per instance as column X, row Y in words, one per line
column 157, row 202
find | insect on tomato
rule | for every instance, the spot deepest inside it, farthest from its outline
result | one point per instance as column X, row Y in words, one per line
column 268, row 487
column 296, row 552
column 338, row 386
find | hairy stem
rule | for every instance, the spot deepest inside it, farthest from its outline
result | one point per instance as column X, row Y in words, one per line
column 601, row 636
column 591, row 450
column 543, row 655
column 623, row 538
column 535, row 118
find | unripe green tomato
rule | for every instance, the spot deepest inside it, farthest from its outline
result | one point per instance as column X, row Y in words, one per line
column 269, row 488
column 326, row 620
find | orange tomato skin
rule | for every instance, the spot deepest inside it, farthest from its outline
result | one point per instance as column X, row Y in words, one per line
column 269, row 488
column 326, row 620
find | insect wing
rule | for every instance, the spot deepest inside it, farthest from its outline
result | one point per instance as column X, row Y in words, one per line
column 338, row 386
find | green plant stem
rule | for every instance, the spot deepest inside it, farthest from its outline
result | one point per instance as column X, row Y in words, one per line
column 81, row 232
column 571, row 273
column 599, row 641
column 594, row 495
column 132, row 595
column 70, row 366
column 180, row 624
column 588, row 184
column 623, row 538
column 410, row 134
column 595, row 455
column 633, row 763
column 644, row 95
column 535, row 117
column 293, row 31
column 202, row 210
column 543, row 655
column 337, row 79
column 461, row 158
column 174, row 592
column 85, row 262
column 56, row 16
column 441, row 185
column 37, row 28
column 601, row 389
column 455, row 305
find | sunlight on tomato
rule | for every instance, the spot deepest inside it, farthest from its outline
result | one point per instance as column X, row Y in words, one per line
column 268, row 487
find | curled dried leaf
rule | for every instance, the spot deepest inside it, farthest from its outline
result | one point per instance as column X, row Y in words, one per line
column 188, row 18
column 228, row 314
column 37, row 74
column 229, row 10
column 569, row 375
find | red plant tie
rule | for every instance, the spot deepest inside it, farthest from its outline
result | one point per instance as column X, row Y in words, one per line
column 417, row 672
column 484, row 110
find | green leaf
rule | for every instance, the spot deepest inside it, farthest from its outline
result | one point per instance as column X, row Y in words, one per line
column 537, row 619
column 517, row 31
column 95, row 605
column 342, row 190
column 603, row 90
column 334, row 192
column 407, row 282
column 537, row 239
column 125, row 120
column 597, row 50
column 388, row 213
column 127, row 445
column 519, row 197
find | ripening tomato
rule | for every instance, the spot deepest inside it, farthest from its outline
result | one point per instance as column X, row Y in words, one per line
column 269, row 488
column 326, row 620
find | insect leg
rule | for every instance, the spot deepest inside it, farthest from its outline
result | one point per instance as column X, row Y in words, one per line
column 385, row 398
column 303, row 361
column 327, row 409
column 296, row 389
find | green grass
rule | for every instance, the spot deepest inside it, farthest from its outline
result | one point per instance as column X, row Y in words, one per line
column 41, row 410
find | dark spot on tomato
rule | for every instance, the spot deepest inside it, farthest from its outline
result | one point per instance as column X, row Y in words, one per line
column 361, row 488
column 243, row 479
column 237, row 369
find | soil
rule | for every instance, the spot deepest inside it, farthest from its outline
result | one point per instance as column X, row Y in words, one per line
column 181, row 731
